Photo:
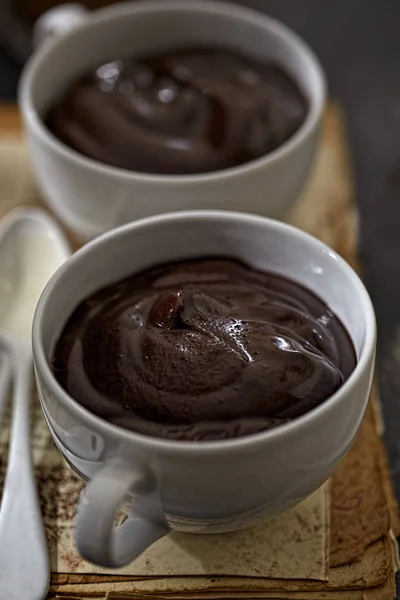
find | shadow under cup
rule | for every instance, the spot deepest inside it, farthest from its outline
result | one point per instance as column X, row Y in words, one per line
column 209, row 486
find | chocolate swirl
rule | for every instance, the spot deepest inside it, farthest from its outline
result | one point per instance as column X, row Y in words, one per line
column 207, row 349
column 187, row 111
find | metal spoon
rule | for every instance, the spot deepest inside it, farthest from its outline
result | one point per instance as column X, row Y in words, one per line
column 31, row 249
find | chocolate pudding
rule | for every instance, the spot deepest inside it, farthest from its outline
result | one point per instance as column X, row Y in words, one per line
column 180, row 112
column 202, row 350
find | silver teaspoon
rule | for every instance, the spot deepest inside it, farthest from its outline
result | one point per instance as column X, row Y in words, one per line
column 31, row 249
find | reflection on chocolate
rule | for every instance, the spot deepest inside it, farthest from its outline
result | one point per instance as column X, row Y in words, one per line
column 205, row 349
column 182, row 112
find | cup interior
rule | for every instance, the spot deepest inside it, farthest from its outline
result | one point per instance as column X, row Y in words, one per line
column 146, row 26
column 261, row 243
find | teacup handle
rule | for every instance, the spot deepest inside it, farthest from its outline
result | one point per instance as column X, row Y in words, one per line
column 97, row 539
column 57, row 21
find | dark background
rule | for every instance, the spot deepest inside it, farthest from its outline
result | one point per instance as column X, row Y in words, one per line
column 358, row 43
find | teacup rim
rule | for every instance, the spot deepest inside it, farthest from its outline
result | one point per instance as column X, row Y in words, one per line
column 250, row 442
column 316, row 101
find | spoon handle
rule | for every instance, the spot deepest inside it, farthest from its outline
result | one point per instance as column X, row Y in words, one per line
column 24, row 563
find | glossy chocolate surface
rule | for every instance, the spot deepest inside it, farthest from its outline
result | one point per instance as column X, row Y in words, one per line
column 205, row 349
column 183, row 112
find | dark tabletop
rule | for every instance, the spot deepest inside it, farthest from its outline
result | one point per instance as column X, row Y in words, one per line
column 358, row 43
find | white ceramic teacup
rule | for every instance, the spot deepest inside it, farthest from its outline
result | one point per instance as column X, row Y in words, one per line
column 91, row 197
column 198, row 486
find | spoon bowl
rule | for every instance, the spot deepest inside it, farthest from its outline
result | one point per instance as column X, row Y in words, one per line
column 32, row 247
